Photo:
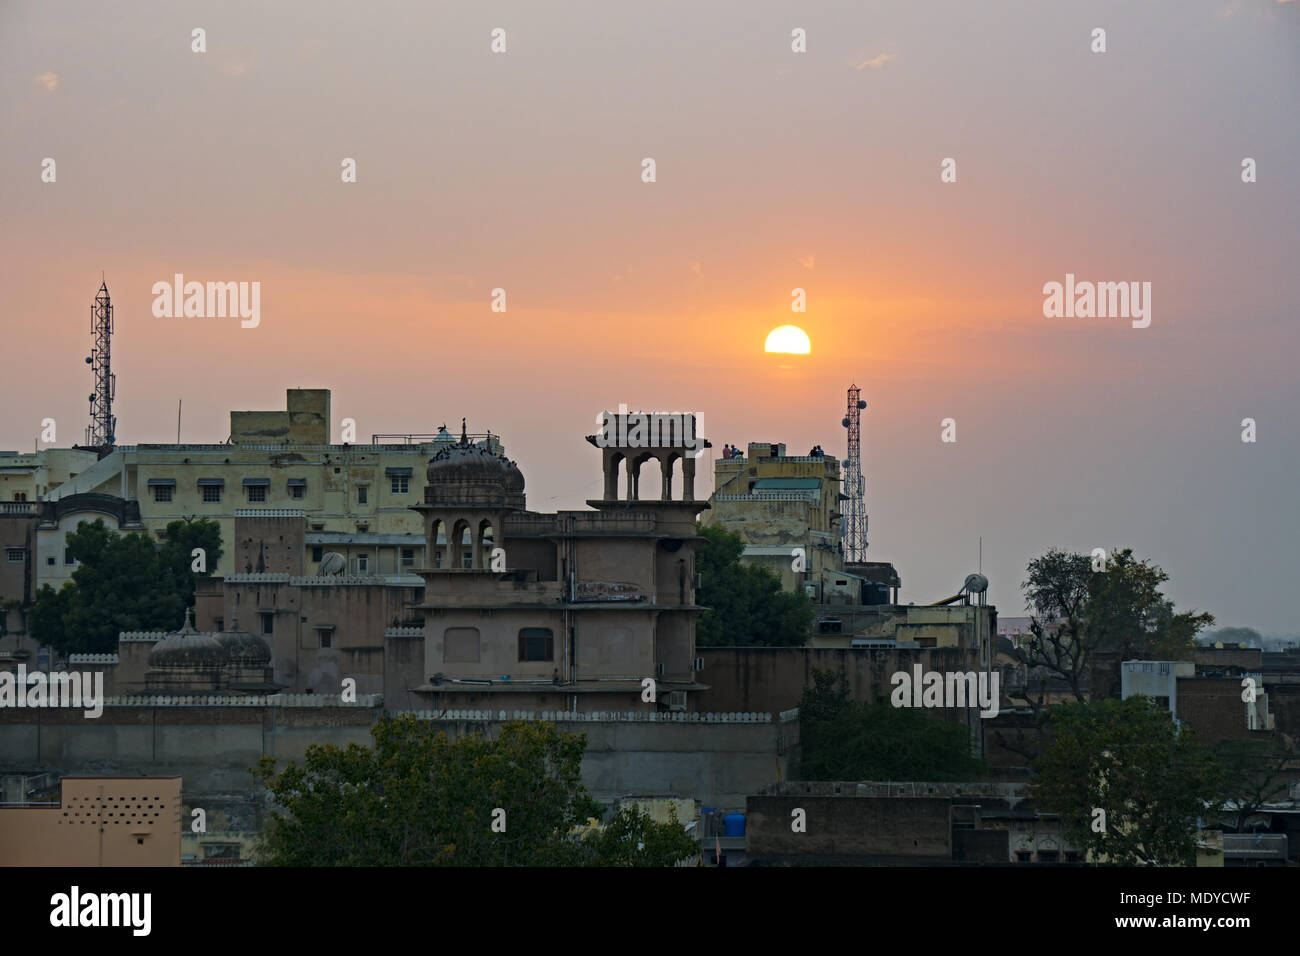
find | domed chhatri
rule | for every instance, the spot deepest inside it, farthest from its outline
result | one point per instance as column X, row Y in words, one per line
column 188, row 647
column 470, row 473
column 194, row 661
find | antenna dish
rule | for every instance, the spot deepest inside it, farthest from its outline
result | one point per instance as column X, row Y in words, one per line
column 976, row 584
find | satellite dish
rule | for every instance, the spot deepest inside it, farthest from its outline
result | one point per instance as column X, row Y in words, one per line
column 862, row 403
column 976, row 584
column 331, row 564
column 845, row 421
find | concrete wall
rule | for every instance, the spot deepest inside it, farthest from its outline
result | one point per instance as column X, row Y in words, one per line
column 212, row 749
column 1214, row 709
column 99, row 822
column 849, row 829
column 773, row 678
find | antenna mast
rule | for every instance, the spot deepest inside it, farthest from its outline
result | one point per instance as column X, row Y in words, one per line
column 854, row 528
column 103, row 425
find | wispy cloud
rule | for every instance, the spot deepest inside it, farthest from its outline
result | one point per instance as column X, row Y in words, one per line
column 875, row 62
column 49, row 80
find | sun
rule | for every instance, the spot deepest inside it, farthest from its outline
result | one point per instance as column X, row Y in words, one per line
column 788, row 338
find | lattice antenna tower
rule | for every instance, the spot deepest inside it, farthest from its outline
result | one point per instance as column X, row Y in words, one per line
column 854, row 528
column 102, row 431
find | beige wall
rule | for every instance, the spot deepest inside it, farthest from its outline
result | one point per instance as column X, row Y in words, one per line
column 100, row 821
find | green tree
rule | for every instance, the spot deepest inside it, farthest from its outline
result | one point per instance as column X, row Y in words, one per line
column 747, row 606
column 843, row 739
column 177, row 552
column 1078, row 612
column 1130, row 760
column 418, row 798
column 631, row 837
column 1253, row 772
column 123, row 582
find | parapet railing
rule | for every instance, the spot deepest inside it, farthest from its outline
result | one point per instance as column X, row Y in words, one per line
column 596, row 716
column 325, row 580
column 403, row 632
column 810, row 494
column 267, row 700
column 93, row 659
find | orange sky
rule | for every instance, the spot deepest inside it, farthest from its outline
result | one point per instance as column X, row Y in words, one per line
column 774, row 171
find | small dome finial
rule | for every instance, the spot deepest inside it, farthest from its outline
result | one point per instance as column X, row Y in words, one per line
column 464, row 436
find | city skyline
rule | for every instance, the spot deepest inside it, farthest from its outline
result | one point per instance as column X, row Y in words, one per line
column 1072, row 433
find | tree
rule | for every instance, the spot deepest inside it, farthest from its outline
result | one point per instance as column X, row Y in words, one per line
column 747, row 606
column 1057, row 592
column 418, row 798
column 843, row 739
column 1078, row 612
column 632, row 838
column 1131, row 761
column 123, row 582
column 1252, row 773
column 177, row 553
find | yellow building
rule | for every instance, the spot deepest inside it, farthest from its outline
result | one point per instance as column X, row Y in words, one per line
column 357, row 498
column 787, row 509
column 32, row 475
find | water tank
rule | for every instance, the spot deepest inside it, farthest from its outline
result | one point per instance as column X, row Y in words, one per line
column 735, row 825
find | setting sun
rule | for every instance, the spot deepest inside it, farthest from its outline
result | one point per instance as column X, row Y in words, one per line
column 788, row 338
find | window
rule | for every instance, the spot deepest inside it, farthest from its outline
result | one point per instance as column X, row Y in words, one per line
column 536, row 644
column 20, row 496
column 50, row 561
column 1022, row 856
column 212, row 493
column 256, row 493
column 408, row 557
column 401, row 484
column 1048, row 856
column 67, row 557
column 325, row 636
column 268, row 622
column 16, row 555
column 295, row 491
column 361, row 494
column 363, row 563
column 162, row 493
column 221, row 624
column 317, row 552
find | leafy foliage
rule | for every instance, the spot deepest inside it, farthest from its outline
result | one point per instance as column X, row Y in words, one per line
column 418, row 798
column 632, row 838
column 1253, row 773
column 1079, row 612
column 1130, row 759
column 123, row 582
column 747, row 605
column 843, row 739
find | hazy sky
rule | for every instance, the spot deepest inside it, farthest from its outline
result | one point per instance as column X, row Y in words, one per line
column 775, row 170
